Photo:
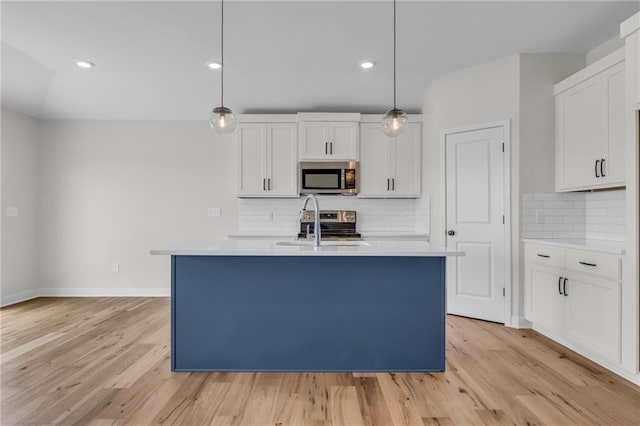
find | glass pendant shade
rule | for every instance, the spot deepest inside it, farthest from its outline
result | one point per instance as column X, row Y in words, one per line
column 394, row 122
column 222, row 120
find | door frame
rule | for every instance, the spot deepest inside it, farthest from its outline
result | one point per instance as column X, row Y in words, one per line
column 506, row 163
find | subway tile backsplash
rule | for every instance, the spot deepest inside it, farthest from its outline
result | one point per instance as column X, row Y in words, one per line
column 281, row 216
column 592, row 215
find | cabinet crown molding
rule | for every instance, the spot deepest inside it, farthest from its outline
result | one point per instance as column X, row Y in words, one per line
column 630, row 26
column 589, row 71
column 329, row 116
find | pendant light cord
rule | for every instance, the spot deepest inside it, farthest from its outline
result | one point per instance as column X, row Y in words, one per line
column 394, row 54
column 222, row 53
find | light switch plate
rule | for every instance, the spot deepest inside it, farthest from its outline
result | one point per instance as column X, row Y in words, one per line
column 539, row 216
column 12, row 211
column 214, row 212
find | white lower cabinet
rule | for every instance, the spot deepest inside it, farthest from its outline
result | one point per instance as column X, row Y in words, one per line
column 577, row 300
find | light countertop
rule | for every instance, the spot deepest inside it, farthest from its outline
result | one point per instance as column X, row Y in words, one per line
column 243, row 247
column 597, row 246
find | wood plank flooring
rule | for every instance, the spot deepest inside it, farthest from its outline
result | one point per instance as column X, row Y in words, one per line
column 105, row 361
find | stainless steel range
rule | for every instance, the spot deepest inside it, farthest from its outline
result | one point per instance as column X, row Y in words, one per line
column 334, row 224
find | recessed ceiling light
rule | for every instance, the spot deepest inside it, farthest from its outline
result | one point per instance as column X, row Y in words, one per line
column 365, row 65
column 214, row 65
column 85, row 64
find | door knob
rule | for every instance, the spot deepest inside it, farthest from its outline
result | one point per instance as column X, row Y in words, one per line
column 451, row 232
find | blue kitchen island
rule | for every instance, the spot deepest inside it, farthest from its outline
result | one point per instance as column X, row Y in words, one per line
column 259, row 306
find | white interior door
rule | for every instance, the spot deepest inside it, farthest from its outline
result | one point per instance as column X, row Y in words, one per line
column 474, row 218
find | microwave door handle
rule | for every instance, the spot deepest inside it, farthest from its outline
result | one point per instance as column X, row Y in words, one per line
column 343, row 178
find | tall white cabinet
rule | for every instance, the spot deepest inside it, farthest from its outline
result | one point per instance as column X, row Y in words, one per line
column 590, row 130
column 267, row 160
column 389, row 167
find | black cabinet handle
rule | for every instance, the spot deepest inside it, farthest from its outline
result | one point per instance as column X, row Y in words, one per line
column 602, row 168
column 546, row 256
column 388, row 184
column 264, row 184
column 596, row 170
column 588, row 264
column 326, row 148
column 564, row 287
column 393, row 184
column 331, row 148
column 559, row 288
column 269, row 183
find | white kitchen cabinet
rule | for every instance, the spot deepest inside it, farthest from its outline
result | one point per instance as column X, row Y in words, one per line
column 336, row 140
column 574, row 297
column 593, row 314
column 389, row 167
column 544, row 302
column 590, row 126
column 267, row 160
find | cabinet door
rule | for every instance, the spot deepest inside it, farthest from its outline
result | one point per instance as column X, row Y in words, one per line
column 343, row 141
column 374, row 162
column 544, row 305
column 613, row 92
column 282, row 160
column 579, row 131
column 252, row 173
column 593, row 315
column 313, row 141
column 405, row 162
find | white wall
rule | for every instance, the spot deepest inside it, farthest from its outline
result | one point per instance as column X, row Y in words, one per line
column 112, row 190
column 516, row 88
column 19, row 190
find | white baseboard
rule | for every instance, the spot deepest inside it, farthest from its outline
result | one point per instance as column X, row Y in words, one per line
column 105, row 292
column 19, row 297
column 520, row 322
column 84, row 292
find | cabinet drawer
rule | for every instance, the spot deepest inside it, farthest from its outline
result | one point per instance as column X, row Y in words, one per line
column 544, row 255
column 609, row 267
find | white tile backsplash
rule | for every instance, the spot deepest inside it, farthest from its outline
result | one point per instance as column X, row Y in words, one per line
column 591, row 215
column 281, row 216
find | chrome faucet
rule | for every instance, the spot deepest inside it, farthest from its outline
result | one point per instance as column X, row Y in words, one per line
column 316, row 218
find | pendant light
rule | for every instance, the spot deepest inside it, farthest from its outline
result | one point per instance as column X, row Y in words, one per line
column 395, row 120
column 221, row 118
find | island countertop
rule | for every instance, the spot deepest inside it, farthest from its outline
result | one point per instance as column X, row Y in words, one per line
column 328, row 248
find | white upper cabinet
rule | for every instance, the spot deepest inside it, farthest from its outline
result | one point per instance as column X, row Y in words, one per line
column 590, row 126
column 328, row 136
column 389, row 167
column 267, row 160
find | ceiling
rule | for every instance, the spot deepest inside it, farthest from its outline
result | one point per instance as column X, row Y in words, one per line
column 280, row 57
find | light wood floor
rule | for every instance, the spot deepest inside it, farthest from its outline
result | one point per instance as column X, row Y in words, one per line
column 105, row 361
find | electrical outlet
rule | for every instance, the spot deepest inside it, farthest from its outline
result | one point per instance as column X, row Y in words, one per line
column 539, row 216
column 268, row 216
column 115, row 267
column 214, row 212
column 12, row 211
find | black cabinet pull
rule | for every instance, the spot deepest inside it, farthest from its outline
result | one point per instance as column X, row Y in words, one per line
column 602, row 168
column 564, row 287
column 596, row 170
column 588, row 264
column 331, row 148
column 269, row 183
column 393, row 184
column 264, row 184
column 326, row 148
column 546, row 256
column 388, row 184
column 559, row 283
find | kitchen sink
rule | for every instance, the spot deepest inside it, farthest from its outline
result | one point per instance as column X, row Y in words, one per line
column 334, row 243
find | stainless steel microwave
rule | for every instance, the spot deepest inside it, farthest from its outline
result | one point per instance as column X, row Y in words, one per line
column 321, row 177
